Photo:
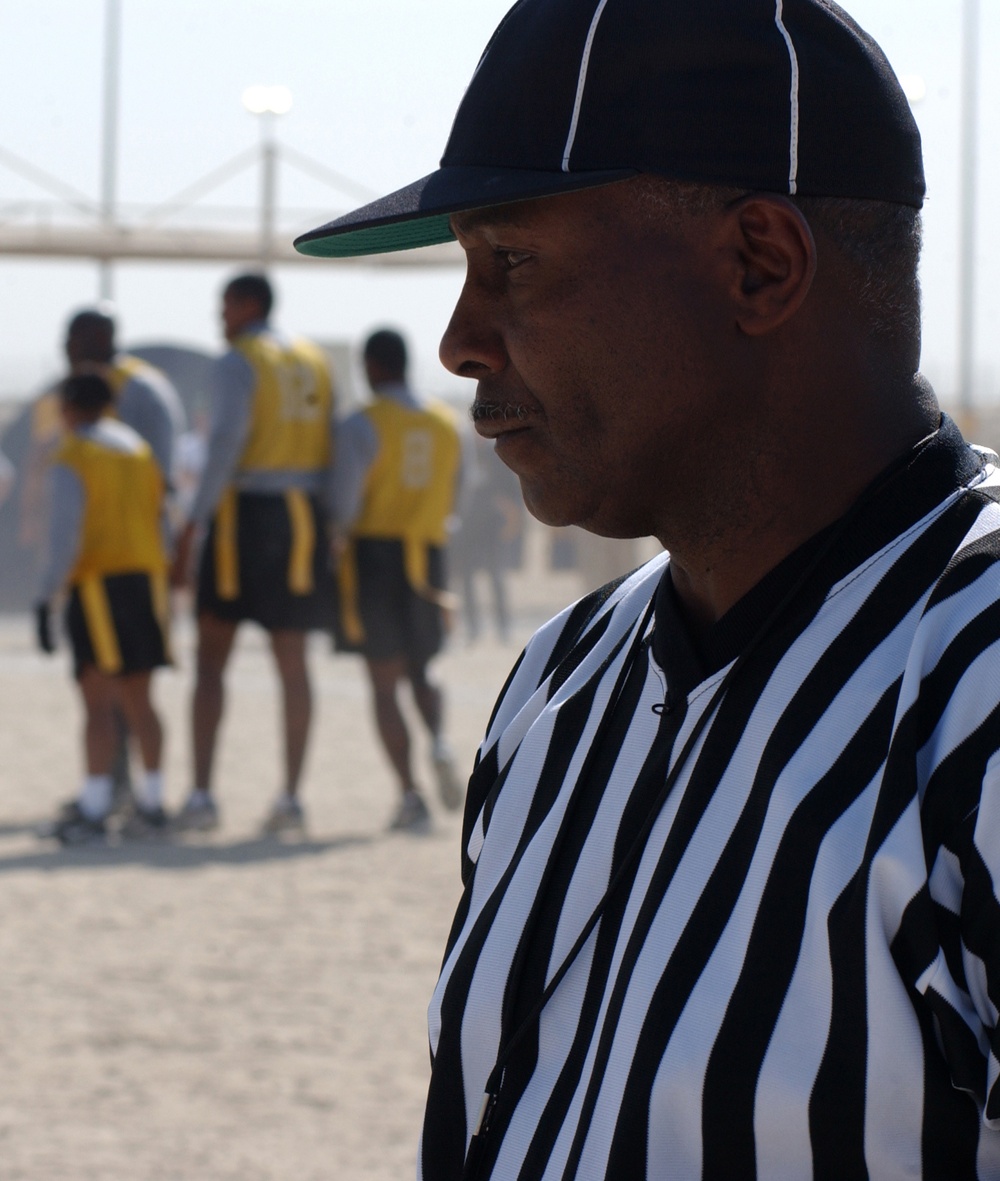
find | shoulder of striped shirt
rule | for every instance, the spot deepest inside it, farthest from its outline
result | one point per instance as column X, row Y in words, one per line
column 631, row 596
column 626, row 602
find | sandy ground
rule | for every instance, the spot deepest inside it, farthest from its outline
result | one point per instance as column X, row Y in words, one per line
column 226, row 1006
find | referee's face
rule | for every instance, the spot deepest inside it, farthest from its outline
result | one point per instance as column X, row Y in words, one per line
column 595, row 345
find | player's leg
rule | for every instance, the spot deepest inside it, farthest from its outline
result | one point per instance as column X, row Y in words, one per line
column 215, row 643
column 99, row 731
column 501, row 610
column 470, row 602
column 137, row 706
column 83, row 819
column 385, row 676
column 425, row 631
column 383, row 593
column 289, row 649
column 135, row 702
column 430, row 704
column 427, row 696
column 121, row 771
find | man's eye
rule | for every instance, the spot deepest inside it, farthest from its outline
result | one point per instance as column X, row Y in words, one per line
column 512, row 258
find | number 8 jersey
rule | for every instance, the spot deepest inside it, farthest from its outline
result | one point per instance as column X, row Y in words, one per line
column 410, row 487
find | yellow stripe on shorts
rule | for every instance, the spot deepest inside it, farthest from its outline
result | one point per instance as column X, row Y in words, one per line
column 100, row 625
column 300, row 560
column 416, row 564
column 347, row 578
column 227, row 564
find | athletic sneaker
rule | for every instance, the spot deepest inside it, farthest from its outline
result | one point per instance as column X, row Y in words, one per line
column 450, row 789
column 285, row 816
column 75, row 827
column 411, row 815
column 145, row 822
column 199, row 814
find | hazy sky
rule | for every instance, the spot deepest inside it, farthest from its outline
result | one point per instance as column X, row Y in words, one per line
column 375, row 85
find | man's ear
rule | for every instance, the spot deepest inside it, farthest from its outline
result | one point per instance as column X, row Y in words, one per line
column 774, row 257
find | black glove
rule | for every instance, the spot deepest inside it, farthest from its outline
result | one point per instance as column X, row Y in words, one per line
column 43, row 628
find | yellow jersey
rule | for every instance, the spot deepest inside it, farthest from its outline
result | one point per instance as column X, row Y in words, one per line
column 409, row 494
column 123, row 498
column 292, row 405
column 410, row 487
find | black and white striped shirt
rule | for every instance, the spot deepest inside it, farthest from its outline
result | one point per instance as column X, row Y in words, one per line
column 797, row 973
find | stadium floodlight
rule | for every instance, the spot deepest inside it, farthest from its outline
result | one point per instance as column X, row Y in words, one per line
column 267, row 100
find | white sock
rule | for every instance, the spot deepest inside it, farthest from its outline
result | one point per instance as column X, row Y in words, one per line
column 95, row 797
column 198, row 797
column 152, row 790
column 441, row 750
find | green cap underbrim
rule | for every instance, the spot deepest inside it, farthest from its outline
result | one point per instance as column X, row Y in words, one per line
column 418, row 215
column 384, row 239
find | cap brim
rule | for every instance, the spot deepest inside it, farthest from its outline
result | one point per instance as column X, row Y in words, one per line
column 418, row 214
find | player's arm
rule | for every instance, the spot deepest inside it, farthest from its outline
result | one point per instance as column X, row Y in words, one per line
column 45, row 427
column 63, row 546
column 7, row 477
column 232, row 403
column 355, row 449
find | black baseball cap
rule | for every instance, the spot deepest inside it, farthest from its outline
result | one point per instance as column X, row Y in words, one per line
column 784, row 96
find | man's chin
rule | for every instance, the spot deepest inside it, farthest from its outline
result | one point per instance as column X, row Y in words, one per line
column 549, row 511
column 544, row 508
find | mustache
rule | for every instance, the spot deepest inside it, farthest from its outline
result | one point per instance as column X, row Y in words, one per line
column 492, row 410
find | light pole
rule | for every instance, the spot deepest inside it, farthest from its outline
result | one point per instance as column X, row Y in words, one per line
column 109, row 138
column 267, row 102
column 967, row 232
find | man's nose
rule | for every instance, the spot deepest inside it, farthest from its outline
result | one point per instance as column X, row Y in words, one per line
column 472, row 345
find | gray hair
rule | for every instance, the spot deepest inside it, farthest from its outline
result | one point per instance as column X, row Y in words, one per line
column 879, row 241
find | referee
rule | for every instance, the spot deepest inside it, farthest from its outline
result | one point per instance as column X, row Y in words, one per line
column 261, row 507
column 731, row 851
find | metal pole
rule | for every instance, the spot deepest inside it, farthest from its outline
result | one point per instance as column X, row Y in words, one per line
column 967, row 246
column 109, row 146
column 268, row 188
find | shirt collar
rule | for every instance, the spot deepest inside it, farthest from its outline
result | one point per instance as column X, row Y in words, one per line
column 906, row 491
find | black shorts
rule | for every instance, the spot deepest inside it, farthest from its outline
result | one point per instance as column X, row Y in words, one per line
column 397, row 621
column 274, row 568
column 120, row 623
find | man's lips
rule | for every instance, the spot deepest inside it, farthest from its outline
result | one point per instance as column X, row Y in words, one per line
column 493, row 416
